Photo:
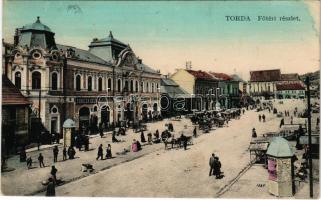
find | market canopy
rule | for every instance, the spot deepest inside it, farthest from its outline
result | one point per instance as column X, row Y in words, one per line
column 279, row 147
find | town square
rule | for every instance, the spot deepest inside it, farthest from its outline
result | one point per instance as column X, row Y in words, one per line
column 151, row 107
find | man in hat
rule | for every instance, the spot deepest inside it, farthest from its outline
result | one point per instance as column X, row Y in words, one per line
column 211, row 163
column 254, row 135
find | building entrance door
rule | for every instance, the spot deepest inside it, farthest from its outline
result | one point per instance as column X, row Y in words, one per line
column 84, row 118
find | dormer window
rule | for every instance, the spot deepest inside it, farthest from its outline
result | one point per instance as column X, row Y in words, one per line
column 36, row 55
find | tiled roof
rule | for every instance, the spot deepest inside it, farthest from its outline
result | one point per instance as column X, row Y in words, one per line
column 290, row 86
column 83, row 55
column 11, row 95
column 146, row 68
column 200, row 74
column 265, row 75
column 290, row 77
column 221, row 76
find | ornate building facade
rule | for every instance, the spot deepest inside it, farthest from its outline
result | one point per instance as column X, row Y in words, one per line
column 106, row 84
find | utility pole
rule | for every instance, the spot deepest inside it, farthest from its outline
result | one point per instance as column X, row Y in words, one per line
column 307, row 82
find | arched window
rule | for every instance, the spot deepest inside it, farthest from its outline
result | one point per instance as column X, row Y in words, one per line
column 36, row 80
column 142, row 86
column 126, row 86
column 136, row 86
column 100, row 84
column 17, row 80
column 152, row 87
column 119, row 85
column 132, row 86
column 109, row 84
column 90, row 83
column 147, row 87
column 54, row 81
column 78, row 82
column 157, row 88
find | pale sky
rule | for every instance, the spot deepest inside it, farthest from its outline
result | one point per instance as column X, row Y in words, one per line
column 167, row 34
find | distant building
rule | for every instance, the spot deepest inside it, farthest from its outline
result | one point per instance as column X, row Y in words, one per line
column 262, row 83
column 290, row 91
column 15, row 118
column 174, row 99
column 229, row 90
column 200, row 85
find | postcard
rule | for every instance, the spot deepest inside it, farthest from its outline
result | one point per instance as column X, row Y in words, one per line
column 161, row 99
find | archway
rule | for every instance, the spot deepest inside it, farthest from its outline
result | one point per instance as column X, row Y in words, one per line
column 84, row 114
column 129, row 112
column 144, row 112
column 105, row 116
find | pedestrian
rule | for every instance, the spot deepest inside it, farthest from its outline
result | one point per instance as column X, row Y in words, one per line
column 194, row 132
column 51, row 191
column 269, row 110
column 254, row 135
column 281, row 122
column 114, row 139
column 259, row 118
column 86, row 143
column 64, row 154
column 53, row 173
column 100, row 153
column 23, row 154
column 149, row 138
column 243, row 111
column 40, row 159
column 55, row 153
column 142, row 137
column 71, row 152
column 184, row 140
column 217, row 167
column 263, row 117
column 108, row 152
column 29, row 162
column 211, row 163
column 101, row 130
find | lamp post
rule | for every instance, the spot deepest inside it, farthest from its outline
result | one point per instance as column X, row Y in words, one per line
column 307, row 82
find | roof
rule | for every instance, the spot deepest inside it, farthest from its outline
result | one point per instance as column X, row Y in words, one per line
column 146, row 68
column 289, row 86
column 168, row 82
column 11, row 95
column 108, row 40
column 221, row 76
column 174, row 91
column 84, row 55
column 38, row 26
column 279, row 147
column 200, row 74
column 265, row 75
column 290, row 77
column 69, row 123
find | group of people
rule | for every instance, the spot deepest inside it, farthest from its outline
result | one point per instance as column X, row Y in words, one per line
column 100, row 153
column 261, row 118
column 215, row 166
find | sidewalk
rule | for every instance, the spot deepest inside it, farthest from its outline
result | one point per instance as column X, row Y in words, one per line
column 28, row 182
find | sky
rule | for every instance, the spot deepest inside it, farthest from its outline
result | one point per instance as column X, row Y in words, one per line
column 167, row 34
